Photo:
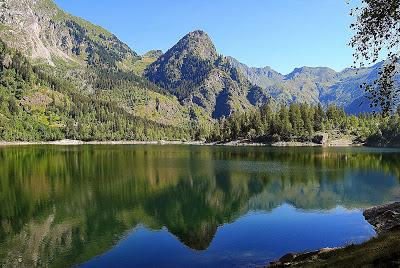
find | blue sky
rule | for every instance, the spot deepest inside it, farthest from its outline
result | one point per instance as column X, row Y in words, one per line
column 283, row 34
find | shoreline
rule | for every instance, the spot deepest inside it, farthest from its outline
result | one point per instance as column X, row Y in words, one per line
column 380, row 250
column 237, row 143
column 79, row 142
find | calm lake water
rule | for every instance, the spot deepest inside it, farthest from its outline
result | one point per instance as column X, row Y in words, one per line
column 181, row 206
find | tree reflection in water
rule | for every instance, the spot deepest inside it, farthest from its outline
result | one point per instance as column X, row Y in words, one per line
column 63, row 205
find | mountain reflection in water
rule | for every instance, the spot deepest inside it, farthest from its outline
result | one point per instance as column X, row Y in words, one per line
column 64, row 205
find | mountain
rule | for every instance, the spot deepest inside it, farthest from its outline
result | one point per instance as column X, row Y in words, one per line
column 80, row 81
column 193, row 71
column 179, row 91
column 186, row 64
column 93, row 59
column 262, row 77
column 45, row 33
column 315, row 85
column 36, row 106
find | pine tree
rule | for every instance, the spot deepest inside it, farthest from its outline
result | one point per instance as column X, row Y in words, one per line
column 296, row 119
column 319, row 117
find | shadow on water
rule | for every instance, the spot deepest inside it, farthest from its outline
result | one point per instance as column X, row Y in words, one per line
column 64, row 205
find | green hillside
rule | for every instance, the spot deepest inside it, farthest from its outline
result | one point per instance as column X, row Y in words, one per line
column 37, row 106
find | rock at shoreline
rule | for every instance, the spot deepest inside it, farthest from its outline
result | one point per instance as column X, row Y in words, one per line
column 300, row 259
column 321, row 138
column 384, row 218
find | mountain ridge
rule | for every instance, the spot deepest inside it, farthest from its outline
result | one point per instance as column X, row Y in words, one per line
column 316, row 85
column 254, row 86
column 206, row 84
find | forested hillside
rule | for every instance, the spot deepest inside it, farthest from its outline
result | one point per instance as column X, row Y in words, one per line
column 94, row 61
column 37, row 106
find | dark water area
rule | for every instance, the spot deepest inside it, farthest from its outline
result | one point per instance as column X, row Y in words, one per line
column 180, row 206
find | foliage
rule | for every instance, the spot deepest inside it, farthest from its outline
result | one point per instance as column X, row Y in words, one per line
column 301, row 122
column 37, row 106
column 388, row 133
column 377, row 33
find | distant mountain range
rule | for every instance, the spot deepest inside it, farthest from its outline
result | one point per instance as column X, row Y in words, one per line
column 190, row 81
column 314, row 85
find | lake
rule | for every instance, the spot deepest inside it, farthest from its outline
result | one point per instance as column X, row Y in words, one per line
column 181, row 206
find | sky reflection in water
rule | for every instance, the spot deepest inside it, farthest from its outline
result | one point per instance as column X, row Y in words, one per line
column 102, row 206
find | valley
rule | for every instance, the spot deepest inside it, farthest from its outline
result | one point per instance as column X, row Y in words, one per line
column 65, row 78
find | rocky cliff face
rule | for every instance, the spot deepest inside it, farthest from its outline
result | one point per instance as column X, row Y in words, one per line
column 23, row 26
column 45, row 33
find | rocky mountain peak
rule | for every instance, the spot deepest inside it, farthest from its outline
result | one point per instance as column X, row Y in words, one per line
column 198, row 44
column 321, row 73
column 194, row 72
column 186, row 64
